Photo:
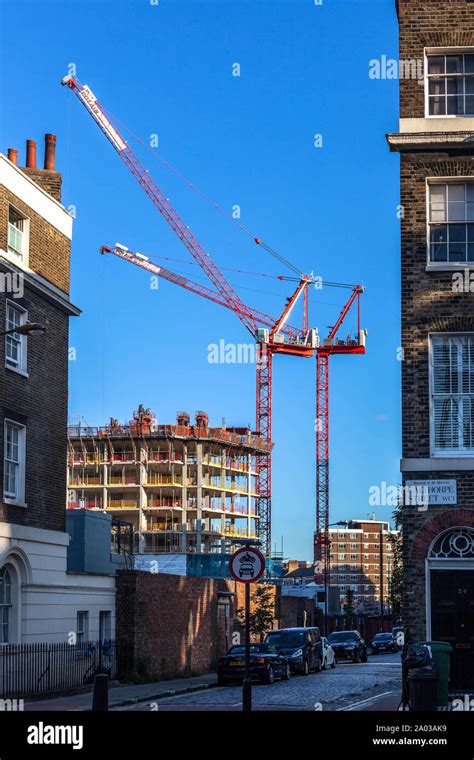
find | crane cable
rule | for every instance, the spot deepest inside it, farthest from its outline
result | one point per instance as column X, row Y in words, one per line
column 196, row 189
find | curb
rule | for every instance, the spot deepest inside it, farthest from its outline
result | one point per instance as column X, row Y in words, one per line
column 162, row 695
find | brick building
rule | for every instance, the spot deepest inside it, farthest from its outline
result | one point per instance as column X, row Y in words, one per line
column 39, row 599
column 435, row 141
column 362, row 560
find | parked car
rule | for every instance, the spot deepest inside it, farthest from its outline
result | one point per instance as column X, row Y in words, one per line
column 348, row 645
column 399, row 635
column 329, row 658
column 302, row 646
column 266, row 664
column 384, row 642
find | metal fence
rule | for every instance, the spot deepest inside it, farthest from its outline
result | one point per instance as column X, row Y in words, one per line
column 28, row 670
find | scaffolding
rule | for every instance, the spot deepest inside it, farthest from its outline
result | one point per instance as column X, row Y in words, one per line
column 186, row 487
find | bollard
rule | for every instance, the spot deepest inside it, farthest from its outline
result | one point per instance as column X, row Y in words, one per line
column 100, row 697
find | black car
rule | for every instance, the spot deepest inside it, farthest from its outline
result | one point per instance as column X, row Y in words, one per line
column 384, row 642
column 302, row 646
column 266, row 664
column 348, row 645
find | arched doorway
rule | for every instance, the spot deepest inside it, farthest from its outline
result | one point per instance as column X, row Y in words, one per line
column 450, row 599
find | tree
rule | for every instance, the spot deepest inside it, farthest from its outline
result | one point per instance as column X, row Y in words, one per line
column 395, row 585
column 262, row 611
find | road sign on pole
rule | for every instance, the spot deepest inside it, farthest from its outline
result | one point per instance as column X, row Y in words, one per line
column 247, row 565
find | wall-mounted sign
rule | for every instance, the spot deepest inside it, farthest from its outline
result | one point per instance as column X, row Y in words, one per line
column 427, row 492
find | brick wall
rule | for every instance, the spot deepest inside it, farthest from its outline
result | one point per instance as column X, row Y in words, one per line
column 49, row 249
column 176, row 625
column 40, row 403
column 429, row 24
column 428, row 301
column 170, row 621
column 50, row 181
column 293, row 609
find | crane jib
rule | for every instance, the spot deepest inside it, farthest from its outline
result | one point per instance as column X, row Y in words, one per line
column 90, row 101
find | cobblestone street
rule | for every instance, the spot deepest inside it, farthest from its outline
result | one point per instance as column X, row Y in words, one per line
column 342, row 688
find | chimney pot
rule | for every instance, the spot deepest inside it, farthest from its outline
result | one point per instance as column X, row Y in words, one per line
column 13, row 156
column 50, row 152
column 31, row 154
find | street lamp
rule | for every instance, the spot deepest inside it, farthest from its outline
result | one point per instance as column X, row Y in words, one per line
column 29, row 328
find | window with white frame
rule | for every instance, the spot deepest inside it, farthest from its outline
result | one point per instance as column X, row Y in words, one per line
column 17, row 233
column 5, row 606
column 452, row 394
column 105, row 625
column 450, row 84
column 15, row 343
column 451, row 222
column 14, row 461
column 82, row 626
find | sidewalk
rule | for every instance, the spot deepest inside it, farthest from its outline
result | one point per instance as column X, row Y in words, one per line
column 120, row 696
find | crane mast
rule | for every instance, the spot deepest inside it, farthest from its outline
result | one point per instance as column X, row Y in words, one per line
column 330, row 346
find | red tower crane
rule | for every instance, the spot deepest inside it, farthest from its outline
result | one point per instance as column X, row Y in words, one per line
column 275, row 337
column 330, row 346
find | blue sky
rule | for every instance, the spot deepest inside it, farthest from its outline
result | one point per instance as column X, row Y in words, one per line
column 166, row 69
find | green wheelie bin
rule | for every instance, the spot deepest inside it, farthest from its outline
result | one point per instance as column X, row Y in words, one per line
column 441, row 652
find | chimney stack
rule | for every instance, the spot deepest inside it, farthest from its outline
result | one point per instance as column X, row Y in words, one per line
column 31, row 154
column 50, row 152
column 13, row 156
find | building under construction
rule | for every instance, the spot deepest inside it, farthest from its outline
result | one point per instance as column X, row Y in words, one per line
column 185, row 488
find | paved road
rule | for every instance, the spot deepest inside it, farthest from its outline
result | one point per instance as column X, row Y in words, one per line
column 342, row 688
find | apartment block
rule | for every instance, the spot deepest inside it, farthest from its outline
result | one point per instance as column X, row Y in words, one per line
column 435, row 142
column 362, row 560
column 185, row 487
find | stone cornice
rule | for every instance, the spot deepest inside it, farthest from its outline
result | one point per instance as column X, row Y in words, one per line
column 400, row 141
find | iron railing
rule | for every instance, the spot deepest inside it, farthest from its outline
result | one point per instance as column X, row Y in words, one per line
column 28, row 670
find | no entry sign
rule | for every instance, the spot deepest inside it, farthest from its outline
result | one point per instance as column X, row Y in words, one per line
column 247, row 565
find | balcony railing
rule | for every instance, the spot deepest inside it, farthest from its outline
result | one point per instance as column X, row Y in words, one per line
column 163, row 480
column 118, row 480
column 85, row 504
column 164, row 503
column 122, row 504
column 164, row 456
column 85, row 480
